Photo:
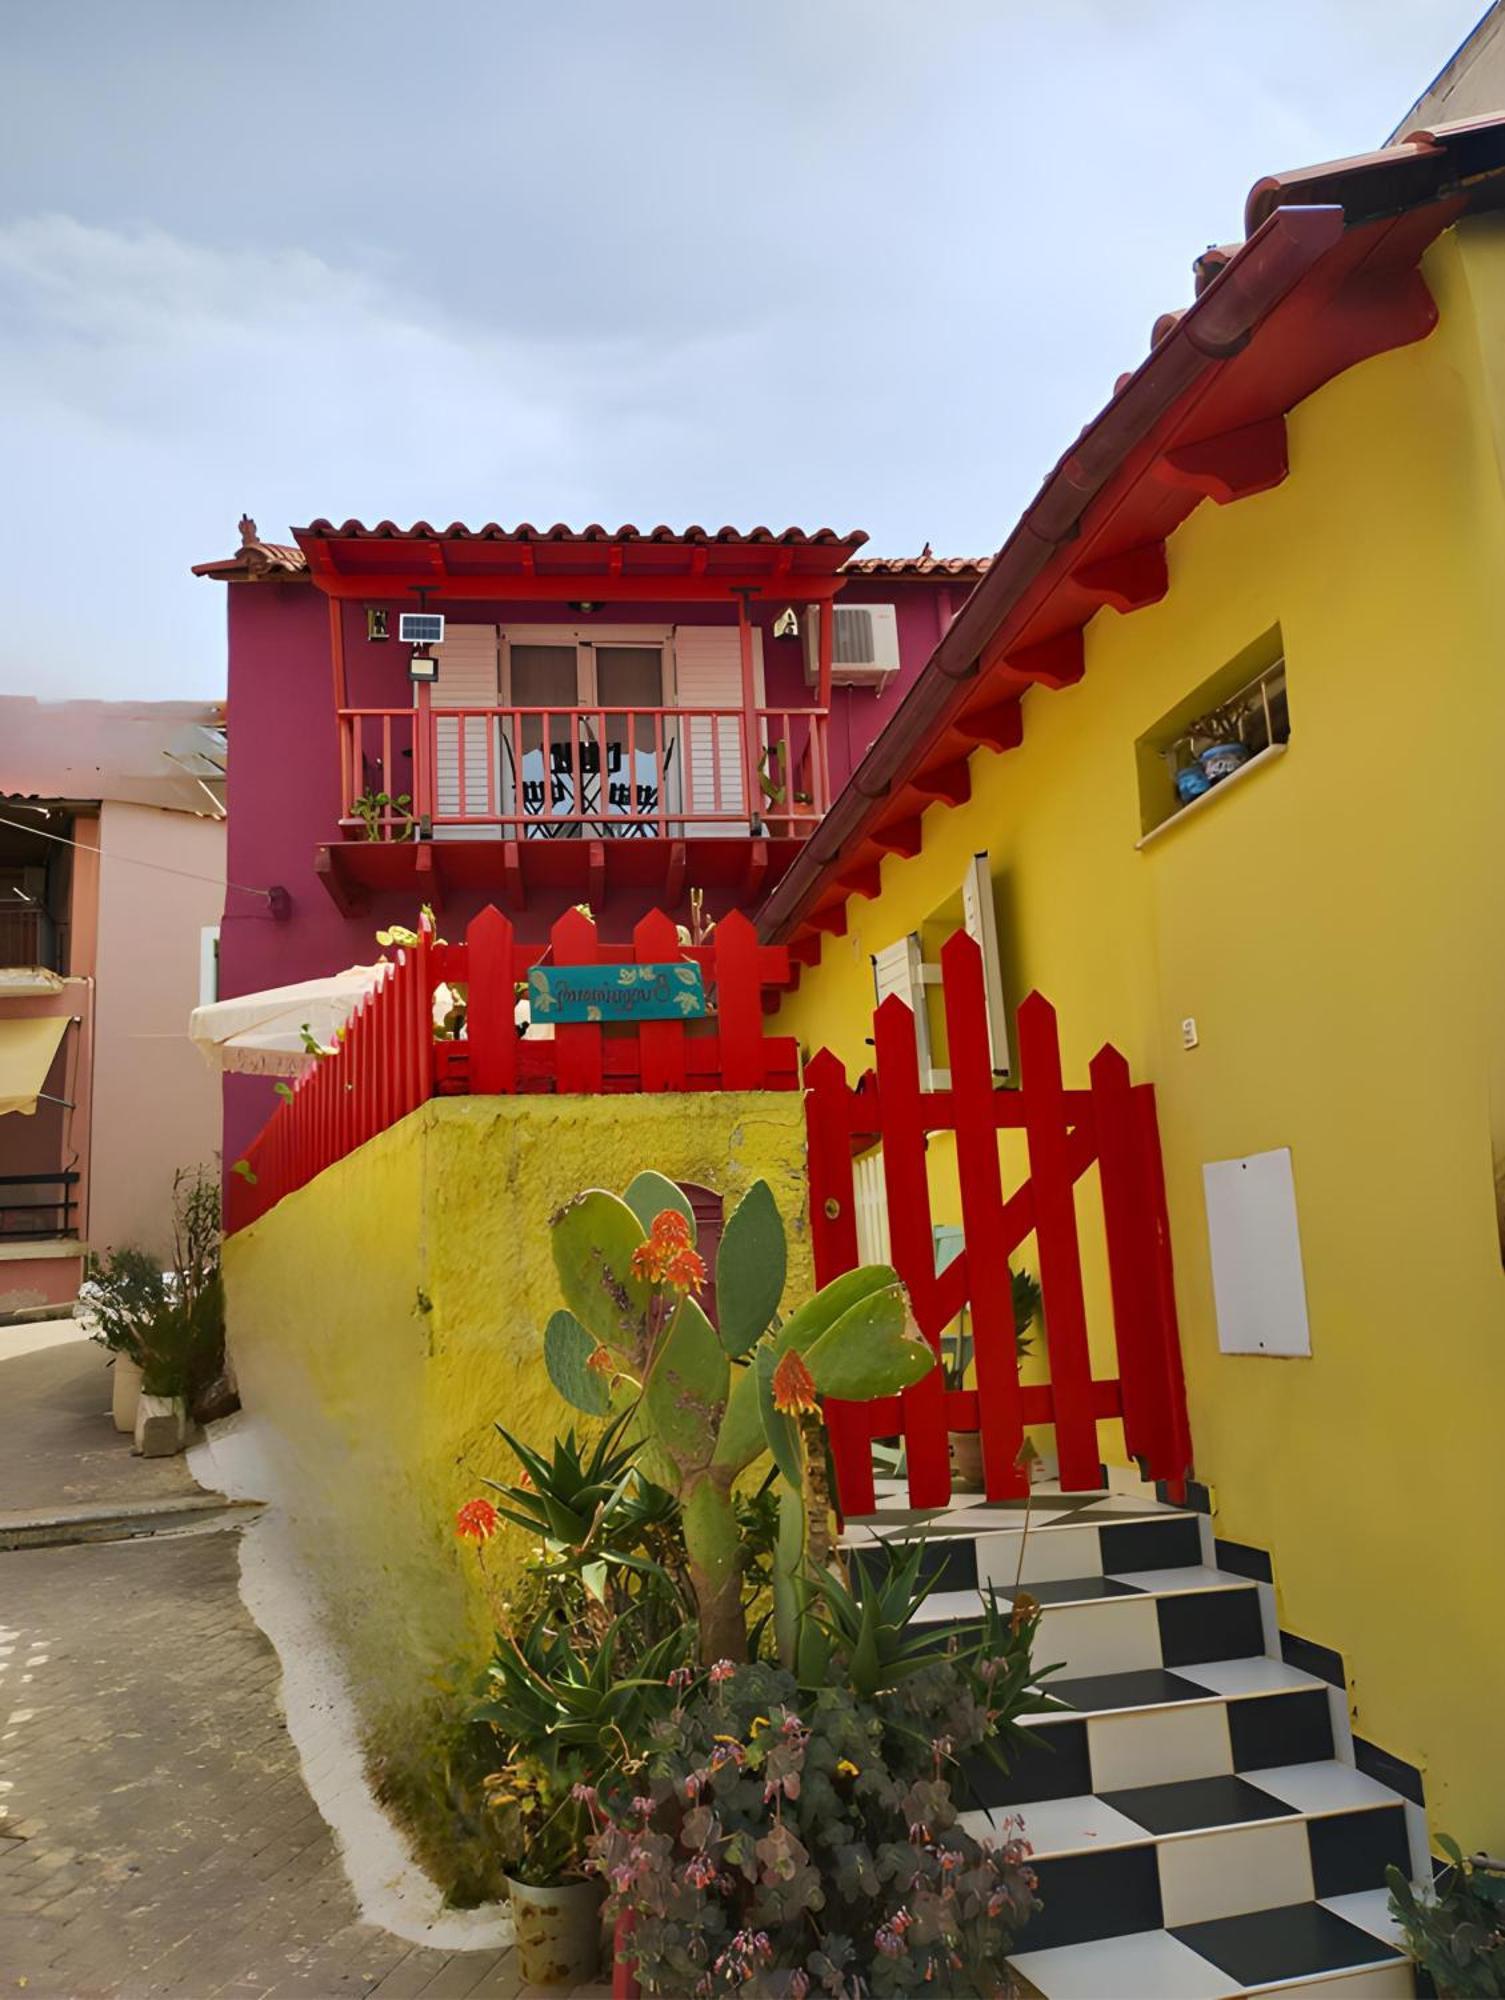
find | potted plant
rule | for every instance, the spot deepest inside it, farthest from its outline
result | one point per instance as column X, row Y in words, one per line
column 121, row 1292
column 1456, row 1930
column 957, row 1348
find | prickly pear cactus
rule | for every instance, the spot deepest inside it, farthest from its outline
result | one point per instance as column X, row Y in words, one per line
column 711, row 1401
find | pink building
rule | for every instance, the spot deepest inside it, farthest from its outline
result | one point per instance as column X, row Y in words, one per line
column 112, row 868
column 612, row 718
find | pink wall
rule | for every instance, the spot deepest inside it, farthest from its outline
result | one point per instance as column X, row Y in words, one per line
column 156, row 1101
column 283, row 791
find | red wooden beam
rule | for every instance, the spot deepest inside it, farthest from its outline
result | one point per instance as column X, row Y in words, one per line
column 692, row 586
column 430, row 875
column 997, row 727
column 866, row 880
column 950, row 782
column 900, row 836
column 1231, row 466
column 595, row 876
column 348, row 897
column 756, row 868
column 674, row 873
column 832, row 920
column 805, row 949
column 1058, row 662
column 512, row 874
column 1129, row 580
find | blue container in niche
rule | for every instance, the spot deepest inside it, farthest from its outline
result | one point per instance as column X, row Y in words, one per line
column 1191, row 782
column 1221, row 760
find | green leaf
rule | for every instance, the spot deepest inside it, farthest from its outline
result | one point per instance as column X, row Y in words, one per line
column 685, row 1393
column 567, row 1348
column 806, row 1326
column 779, row 1430
column 871, row 1350
column 742, row 1437
column 750, row 1269
column 594, row 1237
column 650, row 1194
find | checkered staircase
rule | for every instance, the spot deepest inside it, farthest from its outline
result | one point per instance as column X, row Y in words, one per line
column 1198, row 1823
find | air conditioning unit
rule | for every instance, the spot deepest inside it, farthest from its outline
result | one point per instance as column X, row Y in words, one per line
column 865, row 645
column 421, row 628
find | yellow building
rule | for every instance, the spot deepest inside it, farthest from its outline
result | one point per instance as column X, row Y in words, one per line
column 1305, row 954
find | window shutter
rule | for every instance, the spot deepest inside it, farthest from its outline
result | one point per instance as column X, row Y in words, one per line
column 898, row 968
column 870, row 1196
column 465, row 774
column 981, row 923
column 708, row 674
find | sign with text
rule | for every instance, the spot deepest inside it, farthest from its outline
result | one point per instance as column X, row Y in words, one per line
column 565, row 993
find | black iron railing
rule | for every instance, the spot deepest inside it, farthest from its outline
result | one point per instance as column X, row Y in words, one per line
column 26, row 1217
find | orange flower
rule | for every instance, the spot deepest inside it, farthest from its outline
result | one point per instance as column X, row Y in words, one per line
column 793, row 1385
column 669, row 1227
column 476, row 1521
column 651, row 1260
column 600, row 1361
column 685, row 1270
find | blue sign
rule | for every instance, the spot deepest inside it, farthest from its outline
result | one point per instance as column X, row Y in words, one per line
column 566, row 993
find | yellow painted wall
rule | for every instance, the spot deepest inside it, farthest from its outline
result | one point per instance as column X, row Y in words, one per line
column 1334, row 925
column 386, row 1317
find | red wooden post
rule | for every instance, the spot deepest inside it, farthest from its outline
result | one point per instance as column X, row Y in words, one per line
column 422, row 1025
column 655, row 941
column 907, row 1191
column 739, row 1003
column 833, row 1239
column 1128, row 1233
column 979, row 1172
column 1177, row 1443
column 577, row 1044
column 491, row 1010
column 1065, row 1307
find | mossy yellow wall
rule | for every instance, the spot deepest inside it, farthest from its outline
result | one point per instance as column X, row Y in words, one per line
column 1334, row 924
column 386, row 1317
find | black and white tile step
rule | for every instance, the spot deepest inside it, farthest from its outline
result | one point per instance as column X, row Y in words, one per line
column 1198, row 1823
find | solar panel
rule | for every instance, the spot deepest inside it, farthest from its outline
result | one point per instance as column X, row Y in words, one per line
column 421, row 628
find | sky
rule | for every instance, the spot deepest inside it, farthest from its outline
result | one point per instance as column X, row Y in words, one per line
column 852, row 263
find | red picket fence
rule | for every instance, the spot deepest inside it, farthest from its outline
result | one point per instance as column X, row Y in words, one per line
column 388, row 1061
column 1112, row 1124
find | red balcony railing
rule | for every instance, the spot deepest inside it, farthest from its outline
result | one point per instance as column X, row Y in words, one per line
column 569, row 773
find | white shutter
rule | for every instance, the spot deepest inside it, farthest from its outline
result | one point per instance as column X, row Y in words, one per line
column 981, row 922
column 871, row 1199
column 899, row 968
column 708, row 674
column 467, row 776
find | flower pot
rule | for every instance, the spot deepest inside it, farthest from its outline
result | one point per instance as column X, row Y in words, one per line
column 125, row 1392
column 966, row 1461
column 1221, row 760
column 161, row 1425
column 558, row 1931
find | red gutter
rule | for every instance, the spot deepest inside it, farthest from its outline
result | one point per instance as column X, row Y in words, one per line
column 1293, row 219
column 1208, row 333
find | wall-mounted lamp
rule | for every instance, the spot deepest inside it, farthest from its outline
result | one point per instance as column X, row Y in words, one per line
column 423, row 667
column 586, row 604
column 787, row 624
column 376, row 621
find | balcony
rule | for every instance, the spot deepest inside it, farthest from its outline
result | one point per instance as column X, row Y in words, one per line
column 491, row 797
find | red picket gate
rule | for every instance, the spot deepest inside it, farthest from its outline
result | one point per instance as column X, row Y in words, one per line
column 388, row 1060
column 1113, row 1124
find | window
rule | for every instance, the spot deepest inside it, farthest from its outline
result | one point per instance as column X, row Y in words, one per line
column 903, row 968
column 1237, row 718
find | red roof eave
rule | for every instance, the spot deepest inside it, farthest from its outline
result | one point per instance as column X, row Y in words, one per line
column 1257, row 341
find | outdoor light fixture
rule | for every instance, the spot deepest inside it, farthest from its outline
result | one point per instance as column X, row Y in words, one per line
column 376, row 621
column 787, row 624
column 585, row 604
column 423, row 667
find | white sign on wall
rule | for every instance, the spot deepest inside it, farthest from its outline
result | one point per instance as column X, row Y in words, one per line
column 1257, row 1278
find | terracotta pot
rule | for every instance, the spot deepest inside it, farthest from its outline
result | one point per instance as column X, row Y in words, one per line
column 125, row 1392
column 558, row 1932
column 966, row 1461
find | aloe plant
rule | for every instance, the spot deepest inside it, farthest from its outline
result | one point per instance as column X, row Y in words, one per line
column 710, row 1400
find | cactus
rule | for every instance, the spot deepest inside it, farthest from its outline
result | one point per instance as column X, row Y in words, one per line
column 709, row 1400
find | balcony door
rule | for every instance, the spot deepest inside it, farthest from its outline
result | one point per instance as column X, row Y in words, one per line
column 588, row 752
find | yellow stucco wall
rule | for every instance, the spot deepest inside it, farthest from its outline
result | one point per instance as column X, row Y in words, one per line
column 386, row 1317
column 1333, row 924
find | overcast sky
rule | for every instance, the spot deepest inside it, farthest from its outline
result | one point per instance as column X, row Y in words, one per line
column 782, row 261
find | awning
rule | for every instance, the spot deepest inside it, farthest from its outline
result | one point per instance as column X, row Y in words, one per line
column 263, row 1033
column 27, row 1047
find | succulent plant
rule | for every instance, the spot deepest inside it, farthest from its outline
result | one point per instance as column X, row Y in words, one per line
column 711, row 1400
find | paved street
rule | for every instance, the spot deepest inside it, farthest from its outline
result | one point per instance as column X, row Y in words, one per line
column 157, row 1836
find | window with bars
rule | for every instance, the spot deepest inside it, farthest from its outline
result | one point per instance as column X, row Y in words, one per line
column 1236, row 719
